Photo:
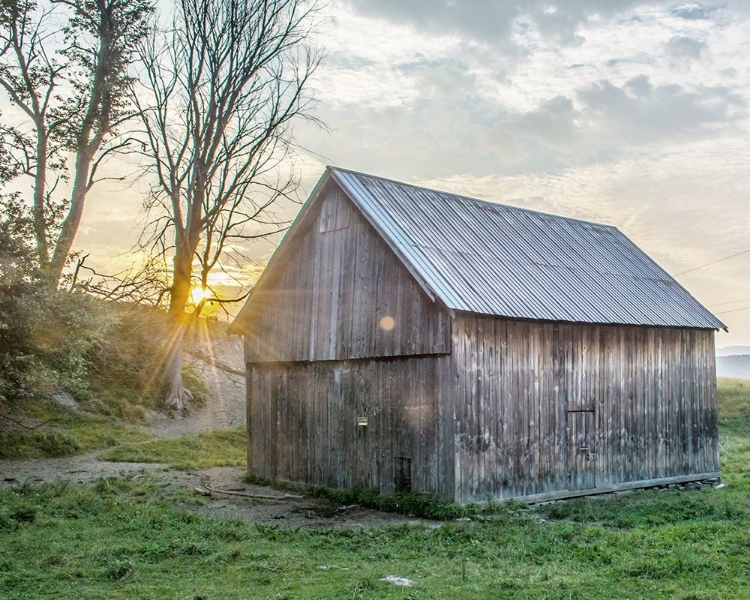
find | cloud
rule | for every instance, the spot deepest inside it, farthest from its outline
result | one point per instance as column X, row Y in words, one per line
column 497, row 23
column 693, row 11
column 639, row 86
column 685, row 48
column 441, row 79
column 452, row 119
column 603, row 122
column 667, row 111
column 493, row 23
column 553, row 123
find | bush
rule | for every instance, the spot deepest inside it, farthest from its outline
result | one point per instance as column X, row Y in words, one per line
column 123, row 362
column 107, row 354
column 51, row 339
column 44, row 333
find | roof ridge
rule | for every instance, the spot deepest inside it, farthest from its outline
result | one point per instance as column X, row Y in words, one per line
column 473, row 199
column 588, row 286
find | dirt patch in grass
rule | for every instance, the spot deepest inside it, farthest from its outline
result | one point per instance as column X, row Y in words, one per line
column 189, row 490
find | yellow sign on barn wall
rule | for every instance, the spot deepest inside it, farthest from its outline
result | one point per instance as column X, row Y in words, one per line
column 362, row 421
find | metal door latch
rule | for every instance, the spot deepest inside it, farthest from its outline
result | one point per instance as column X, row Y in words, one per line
column 591, row 456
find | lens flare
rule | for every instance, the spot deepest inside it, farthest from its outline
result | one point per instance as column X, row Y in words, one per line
column 387, row 323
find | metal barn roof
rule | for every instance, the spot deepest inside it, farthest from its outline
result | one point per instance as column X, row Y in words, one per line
column 492, row 259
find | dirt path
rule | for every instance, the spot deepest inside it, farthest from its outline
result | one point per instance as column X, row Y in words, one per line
column 74, row 469
column 226, row 405
column 181, row 488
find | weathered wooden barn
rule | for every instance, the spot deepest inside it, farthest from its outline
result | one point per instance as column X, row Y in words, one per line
column 404, row 338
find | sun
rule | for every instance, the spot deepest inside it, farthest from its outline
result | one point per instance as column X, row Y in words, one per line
column 197, row 294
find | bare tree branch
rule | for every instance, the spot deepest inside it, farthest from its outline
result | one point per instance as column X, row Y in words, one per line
column 222, row 86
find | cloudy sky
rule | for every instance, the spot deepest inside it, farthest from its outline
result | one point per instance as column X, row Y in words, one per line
column 629, row 113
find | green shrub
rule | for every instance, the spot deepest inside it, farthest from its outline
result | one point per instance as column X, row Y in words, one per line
column 46, row 334
column 123, row 361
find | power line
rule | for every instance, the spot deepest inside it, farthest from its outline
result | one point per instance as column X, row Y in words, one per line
column 713, row 263
column 723, row 312
column 725, row 303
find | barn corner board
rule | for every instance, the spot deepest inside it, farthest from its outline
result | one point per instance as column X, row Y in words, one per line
column 404, row 338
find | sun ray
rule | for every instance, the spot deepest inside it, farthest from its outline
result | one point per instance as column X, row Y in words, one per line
column 204, row 335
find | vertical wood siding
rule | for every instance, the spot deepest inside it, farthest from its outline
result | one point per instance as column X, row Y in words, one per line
column 341, row 294
column 303, row 422
column 543, row 407
column 518, row 409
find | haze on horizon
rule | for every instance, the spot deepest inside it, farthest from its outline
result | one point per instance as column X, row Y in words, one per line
column 623, row 112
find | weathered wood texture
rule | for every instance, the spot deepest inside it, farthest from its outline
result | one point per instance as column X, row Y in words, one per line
column 340, row 294
column 303, row 423
column 542, row 407
column 518, row 409
column 464, row 408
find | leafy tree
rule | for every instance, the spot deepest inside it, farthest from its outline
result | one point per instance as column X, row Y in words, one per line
column 64, row 66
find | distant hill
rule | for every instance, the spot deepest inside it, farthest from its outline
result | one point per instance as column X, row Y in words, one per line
column 737, row 366
column 732, row 350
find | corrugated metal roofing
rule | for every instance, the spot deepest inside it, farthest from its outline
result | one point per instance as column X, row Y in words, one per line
column 493, row 259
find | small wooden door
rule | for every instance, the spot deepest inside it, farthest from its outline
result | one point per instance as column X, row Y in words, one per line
column 581, row 451
column 402, row 478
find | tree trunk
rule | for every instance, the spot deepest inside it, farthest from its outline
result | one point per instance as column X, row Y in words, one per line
column 40, row 189
column 73, row 219
column 177, row 395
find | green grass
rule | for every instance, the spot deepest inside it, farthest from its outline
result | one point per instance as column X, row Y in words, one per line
column 125, row 539
column 734, row 433
column 218, row 448
column 68, row 433
column 112, row 414
column 116, row 539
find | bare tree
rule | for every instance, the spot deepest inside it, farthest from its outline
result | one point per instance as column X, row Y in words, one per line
column 138, row 284
column 69, row 81
column 220, row 90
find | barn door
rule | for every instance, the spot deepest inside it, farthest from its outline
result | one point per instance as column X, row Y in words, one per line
column 581, row 451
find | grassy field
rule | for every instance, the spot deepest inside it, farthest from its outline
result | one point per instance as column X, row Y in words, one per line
column 67, row 433
column 121, row 539
column 221, row 448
